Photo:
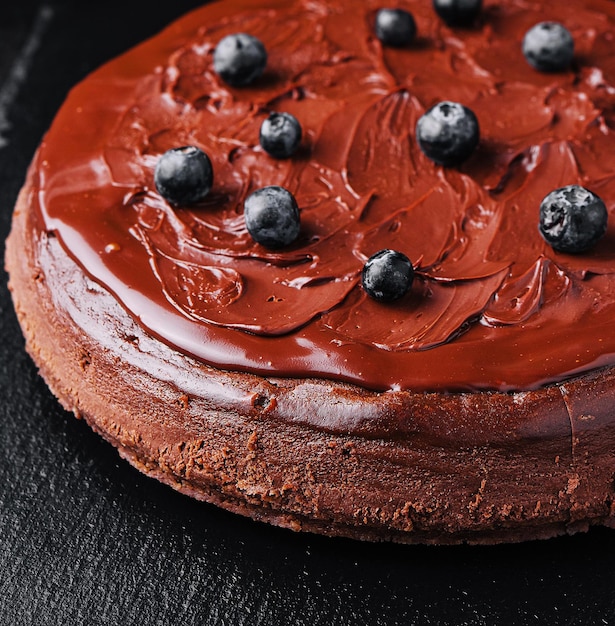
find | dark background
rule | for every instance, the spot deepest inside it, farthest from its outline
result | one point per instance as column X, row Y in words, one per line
column 85, row 539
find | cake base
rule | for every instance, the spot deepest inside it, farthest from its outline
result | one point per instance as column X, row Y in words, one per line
column 309, row 454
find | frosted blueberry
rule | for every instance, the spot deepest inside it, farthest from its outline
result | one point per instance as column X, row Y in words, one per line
column 448, row 133
column 457, row 12
column 240, row 59
column 572, row 219
column 548, row 47
column 387, row 275
column 272, row 217
column 183, row 175
column 280, row 135
column 395, row 27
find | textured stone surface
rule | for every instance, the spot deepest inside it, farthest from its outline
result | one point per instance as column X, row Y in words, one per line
column 85, row 539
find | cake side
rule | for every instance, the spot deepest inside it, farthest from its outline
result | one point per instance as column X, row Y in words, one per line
column 478, row 468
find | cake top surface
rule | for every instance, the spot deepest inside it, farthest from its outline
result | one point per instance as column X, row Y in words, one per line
column 492, row 306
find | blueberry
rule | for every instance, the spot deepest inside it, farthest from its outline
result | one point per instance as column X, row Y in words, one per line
column 548, row 47
column 240, row 59
column 387, row 275
column 457, row 12
column 183, row 175
column 395, row 27
column 448, row 133
column 272, row 216
column 572, row 219
column 280, row 135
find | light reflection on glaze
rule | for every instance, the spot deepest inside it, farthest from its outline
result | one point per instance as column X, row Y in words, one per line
column 493, row 306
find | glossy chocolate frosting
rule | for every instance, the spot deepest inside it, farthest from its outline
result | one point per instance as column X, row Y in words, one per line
column 493, row 306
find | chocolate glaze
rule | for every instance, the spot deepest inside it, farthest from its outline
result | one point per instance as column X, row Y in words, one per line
column 493, row 306
column 314, row 454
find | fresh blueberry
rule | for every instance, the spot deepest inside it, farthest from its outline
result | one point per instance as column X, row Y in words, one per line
column 448, row 133
column 387, row 275
column 548, row 47
column 395, row 27
column 280, row 135
column 240, row 59
column 572, row 219
column 183, row 175
column 458, row 12
column 272, row 216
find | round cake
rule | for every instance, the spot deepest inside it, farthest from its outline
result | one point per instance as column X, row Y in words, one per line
column 303, row 259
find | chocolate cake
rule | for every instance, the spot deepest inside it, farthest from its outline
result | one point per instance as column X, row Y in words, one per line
column 302, row 259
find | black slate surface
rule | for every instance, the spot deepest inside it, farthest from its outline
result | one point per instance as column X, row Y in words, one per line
column 85, row 539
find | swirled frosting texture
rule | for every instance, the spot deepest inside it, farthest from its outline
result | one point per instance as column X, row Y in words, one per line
column 493, row 306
